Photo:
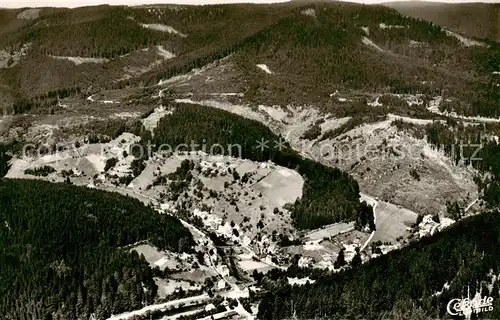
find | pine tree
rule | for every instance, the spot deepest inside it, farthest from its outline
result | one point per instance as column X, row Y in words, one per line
column 356, row 260
column 340, row 262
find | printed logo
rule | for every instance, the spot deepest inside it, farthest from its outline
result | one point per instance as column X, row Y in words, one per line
column 466, row 307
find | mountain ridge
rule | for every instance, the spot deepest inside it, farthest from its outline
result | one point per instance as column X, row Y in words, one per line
column 202, row 47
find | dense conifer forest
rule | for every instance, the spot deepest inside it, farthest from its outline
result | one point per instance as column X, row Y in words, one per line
column 403, row 284
column 60, row 251
column 472, row 145
column 329, row 195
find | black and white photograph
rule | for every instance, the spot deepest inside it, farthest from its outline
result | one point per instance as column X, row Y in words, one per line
column 249, row 160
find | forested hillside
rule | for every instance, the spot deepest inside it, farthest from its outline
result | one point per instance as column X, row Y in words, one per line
column 59, row 247
column 471, row 145
column 402, row 284
column 119, row 35
column 310, row 53
column 329, row 195
column 310, row 48
column 319, row 46
column 110, row 32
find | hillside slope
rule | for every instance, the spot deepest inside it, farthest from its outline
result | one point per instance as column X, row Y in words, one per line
column 61, row 246
column 330, row 195
column 310, row 51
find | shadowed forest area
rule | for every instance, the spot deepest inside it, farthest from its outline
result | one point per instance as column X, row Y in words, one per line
column 61, row 256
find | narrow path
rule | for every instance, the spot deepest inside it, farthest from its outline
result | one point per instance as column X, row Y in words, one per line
column 162, row 306
column 434, row 108
column 184, row 314
column 374, row 204
column 470, row 205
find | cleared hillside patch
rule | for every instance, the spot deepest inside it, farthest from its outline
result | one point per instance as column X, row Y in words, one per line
column 330, row 195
